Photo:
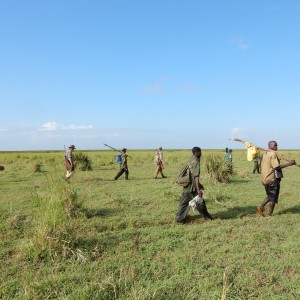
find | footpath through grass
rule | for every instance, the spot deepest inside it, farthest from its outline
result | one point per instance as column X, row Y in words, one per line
column 96, row 238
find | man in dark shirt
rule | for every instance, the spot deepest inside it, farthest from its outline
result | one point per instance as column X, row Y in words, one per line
column 193, row 189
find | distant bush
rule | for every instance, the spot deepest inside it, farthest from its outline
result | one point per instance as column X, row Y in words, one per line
column 217, row 169
column 37, row 168
column 82, row 162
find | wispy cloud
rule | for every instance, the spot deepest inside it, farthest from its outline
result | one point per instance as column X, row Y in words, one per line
column 49, row 126
column 241, row 44
column 3, row 129
column 154, row 89
column 161, row 87
column 73, row 126
column 158, row 87
column 237, row 132
column 188, row 87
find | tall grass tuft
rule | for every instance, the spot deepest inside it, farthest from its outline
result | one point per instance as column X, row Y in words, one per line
column 52, row 235
column 37, row 168
column 217, row 169
column 82, row 162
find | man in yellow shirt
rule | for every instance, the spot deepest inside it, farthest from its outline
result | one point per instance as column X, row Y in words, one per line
column 271, row 175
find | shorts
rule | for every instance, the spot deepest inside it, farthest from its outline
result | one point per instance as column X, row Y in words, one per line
column 69, row 167
column 272, row 190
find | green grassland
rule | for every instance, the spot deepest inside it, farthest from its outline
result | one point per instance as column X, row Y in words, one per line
column 119, row 239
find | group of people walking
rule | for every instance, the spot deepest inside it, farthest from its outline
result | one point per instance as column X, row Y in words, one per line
column 269, row 167
column 158, row 160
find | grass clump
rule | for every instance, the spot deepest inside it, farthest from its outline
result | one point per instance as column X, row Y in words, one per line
column 217, row 169
column 52, row 234
column 37, row 168
column 82, row 162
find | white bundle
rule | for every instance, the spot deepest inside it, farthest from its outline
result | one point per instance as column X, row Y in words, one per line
column 194, row 201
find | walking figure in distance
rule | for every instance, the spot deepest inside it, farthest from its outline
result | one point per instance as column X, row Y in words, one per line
column 159, row 163
column 124, row 166
column 69, row 161
column 256, row 163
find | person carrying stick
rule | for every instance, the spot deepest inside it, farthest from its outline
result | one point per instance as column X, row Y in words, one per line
column 271, row 174
column 69, row 161
column 124, row 166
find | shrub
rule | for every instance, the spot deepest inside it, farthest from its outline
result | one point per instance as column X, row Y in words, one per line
column 37, row 168
column 52, row 235
column 82, row 162
column 217, row 169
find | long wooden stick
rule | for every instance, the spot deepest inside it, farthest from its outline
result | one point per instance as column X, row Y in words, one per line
column 115, row 149
column 258, row 147
column 264, row 149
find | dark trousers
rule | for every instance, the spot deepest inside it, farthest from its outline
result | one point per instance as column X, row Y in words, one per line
column 256, row 167
column 183, row 208
column 121, row 172
column 272, row 190
column 159, row 169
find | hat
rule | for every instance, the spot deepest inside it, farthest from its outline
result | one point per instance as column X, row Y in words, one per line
column 160, row 148
column 124, row 150
column 72, row 146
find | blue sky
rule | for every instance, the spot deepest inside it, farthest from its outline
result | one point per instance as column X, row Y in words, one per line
column 143, row 74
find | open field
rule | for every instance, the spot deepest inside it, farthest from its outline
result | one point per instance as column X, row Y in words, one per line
column 119, row 239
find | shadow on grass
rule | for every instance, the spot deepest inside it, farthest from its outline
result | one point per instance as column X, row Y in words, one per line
column 294, row 210
column 190, row 219
column 233, row 181
column 99, row 246
column 97, row 179
column 243, row 211
column 236, row 212
column 104, row 212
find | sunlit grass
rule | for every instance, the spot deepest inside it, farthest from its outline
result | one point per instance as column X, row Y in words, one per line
column 97, row 238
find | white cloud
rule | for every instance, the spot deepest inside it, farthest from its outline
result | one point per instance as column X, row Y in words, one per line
column 50, row 126
column 3, row 129
column 56, row 126
column 73, row 126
